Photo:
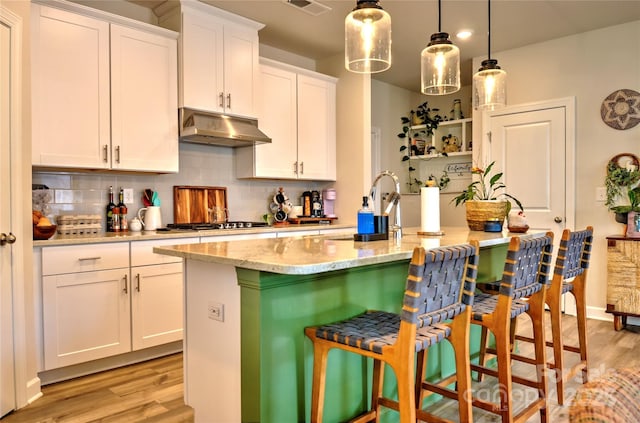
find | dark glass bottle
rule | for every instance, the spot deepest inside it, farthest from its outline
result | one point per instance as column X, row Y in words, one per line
column 124, row 225
column 110, row 206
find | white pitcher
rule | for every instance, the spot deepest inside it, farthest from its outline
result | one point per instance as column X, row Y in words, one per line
column 150, row 218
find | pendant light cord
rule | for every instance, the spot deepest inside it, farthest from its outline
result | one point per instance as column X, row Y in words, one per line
column 439, row 17
column 489, row 30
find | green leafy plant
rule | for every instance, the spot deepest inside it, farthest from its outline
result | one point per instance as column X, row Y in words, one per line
column 420, row 116
column 486, row 189
column 618, row 182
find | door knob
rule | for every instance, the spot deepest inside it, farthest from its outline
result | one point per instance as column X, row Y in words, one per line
column 7, row 239
column 557, row 219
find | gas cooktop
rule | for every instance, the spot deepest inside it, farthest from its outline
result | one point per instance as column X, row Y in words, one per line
column 209, row 226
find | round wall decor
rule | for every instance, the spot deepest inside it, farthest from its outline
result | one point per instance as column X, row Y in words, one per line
column 621, row 109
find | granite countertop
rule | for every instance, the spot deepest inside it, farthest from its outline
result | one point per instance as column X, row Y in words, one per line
column 177, row 234
column 323, row 253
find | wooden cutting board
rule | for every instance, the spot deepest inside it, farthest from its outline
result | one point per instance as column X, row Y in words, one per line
column 191, row 204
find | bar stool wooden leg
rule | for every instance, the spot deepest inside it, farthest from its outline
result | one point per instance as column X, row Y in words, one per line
column 320, row 354
column 483, row 351
column 460, row 341
column 581, row 308
column 536, row 312
column 555, row 312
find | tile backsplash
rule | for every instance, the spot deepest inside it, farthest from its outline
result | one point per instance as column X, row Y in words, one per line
column 87, row 193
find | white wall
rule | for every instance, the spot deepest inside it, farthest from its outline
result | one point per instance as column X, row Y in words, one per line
column 588, row 66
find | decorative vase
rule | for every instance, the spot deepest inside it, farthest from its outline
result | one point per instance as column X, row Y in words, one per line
column 479, row 211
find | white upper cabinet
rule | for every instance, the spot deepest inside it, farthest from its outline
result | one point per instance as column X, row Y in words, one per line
column 70, row 89
column 104, row 94
column 297, row 109
column 144, row 96
column 218, row 59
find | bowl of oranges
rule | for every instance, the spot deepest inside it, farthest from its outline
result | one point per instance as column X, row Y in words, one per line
column 42, row 226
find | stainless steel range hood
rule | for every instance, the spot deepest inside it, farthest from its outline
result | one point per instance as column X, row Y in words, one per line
column 201, row 127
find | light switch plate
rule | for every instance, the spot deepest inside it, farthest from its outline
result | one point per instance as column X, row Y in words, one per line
column 128, row 195
column 601, row 194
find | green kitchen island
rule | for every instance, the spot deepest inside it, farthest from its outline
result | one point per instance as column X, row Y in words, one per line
column 246, row 358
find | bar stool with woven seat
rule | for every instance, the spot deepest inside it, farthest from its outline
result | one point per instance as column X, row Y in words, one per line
column 569, row 276
column 525, row 275
column 437, row 305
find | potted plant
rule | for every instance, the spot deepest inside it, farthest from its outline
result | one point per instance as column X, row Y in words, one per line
column 420, row 116
column 622, row 185
column 485, row 199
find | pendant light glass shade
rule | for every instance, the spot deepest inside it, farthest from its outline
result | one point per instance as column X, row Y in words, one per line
column 440, row 66
column 367, row 43
column 490, row 86
column 490, row 82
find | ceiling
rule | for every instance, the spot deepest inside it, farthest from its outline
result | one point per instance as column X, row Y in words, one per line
column 514, row 23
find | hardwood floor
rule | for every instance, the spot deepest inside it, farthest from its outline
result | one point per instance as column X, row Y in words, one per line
column 149, row 391
column 152, row 391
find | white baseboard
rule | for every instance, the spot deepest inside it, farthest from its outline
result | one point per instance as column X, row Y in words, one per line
column 33, row 390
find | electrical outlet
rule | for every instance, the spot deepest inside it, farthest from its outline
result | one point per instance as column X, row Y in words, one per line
column 128, row 195
column 215, row 311
column 601, row 194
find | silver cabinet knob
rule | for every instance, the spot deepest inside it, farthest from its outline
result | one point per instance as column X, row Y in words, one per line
column 557, row 219
column 7, row 239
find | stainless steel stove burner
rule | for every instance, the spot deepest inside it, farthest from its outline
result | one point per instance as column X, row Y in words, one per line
column 209, row 226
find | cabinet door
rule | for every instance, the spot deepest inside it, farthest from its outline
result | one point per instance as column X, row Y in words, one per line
column 277, row 117
column 70, row 89
column 201, row 82
column 156, row 304
column 144, row 101
column 241, row 69
column 86, row 316
column 316, row 129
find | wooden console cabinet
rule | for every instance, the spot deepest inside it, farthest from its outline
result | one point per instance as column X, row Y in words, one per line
column 623, row 279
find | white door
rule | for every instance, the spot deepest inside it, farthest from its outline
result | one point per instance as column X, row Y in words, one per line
column 7, row 376
column 534, row 146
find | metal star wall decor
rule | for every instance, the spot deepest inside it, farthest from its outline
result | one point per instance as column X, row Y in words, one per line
column 621, row 109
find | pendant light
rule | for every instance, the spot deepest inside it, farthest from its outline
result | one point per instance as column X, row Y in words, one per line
column 490, row 82
column 367, row 43
column 440, row 64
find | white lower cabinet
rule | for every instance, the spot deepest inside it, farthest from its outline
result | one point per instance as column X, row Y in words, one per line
column 86, row 317
column 86, row 312
column 156, row 305
column 97, row 303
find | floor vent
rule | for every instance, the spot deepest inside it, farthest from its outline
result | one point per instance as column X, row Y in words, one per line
column 311, row 7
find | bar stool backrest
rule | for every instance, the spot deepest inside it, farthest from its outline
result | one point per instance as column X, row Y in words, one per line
column 441, row 287
column 574, row 253
column 527, row 266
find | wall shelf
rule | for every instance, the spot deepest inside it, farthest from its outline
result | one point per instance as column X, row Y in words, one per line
column 459, row 130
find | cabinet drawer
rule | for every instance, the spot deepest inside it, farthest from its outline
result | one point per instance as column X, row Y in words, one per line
column 142, row 251
column 84, row 258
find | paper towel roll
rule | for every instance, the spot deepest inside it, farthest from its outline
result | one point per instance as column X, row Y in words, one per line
column 430, row 210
